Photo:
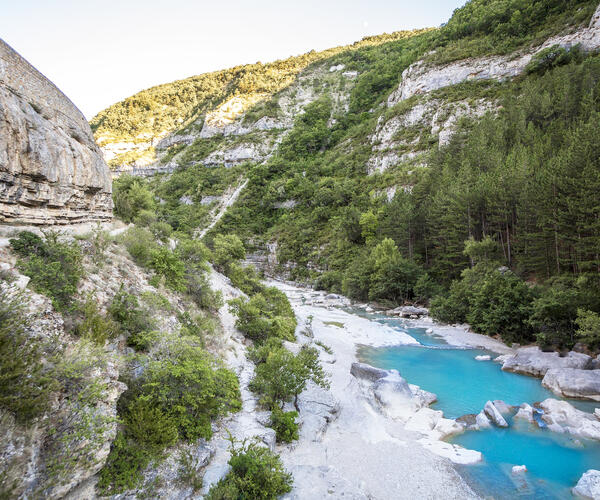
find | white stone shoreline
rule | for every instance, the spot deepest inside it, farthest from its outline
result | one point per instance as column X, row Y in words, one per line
column 365, row 452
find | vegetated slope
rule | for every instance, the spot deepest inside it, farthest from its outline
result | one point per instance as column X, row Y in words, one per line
column 130, row 128
column 376, row 197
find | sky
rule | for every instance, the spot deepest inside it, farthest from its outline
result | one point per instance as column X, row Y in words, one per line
column 99, row 52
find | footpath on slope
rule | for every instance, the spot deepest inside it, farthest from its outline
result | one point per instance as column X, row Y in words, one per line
column 225, row 204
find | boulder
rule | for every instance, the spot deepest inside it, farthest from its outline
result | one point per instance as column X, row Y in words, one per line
column 532, row 361
column 525, row 412
column 494, row 414
column 317, row 409
column 588, row 485
column 502, row 407
column 484, row 357
column 367, row 372
column 561, row 416
column 573, row 383
column 482, row 421
column 408, row 311
column 519, row 469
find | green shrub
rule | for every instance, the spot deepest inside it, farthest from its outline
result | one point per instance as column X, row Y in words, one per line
column 589, row 327
column 93, row 324
column 550, row 57
column 135, row 322
column 192, row 388
column 161, row 230
column 266, row 314
column 139, row 243
column 245, row 278
column 226, row 250
column 150, row 425
column 124, row 466
column 256, row 473
column 165, row 263
column 491, row 301
column 26, row 382
column 54, row 267
column 284, row 424
column 282, row 376
column 131, row 196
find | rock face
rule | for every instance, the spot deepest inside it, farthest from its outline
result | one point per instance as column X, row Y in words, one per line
column 589, row 485
column 532, row 361
column 420, row 77
column 573, row 383
column 51, row 170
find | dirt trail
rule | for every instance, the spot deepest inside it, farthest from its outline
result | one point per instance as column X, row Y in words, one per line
column 225, row 204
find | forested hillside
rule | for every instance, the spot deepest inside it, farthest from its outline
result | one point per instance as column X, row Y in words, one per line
column 489, row 211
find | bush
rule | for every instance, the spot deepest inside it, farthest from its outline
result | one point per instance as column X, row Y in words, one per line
column 165, row 263
column 589, row 327
column 135, row 322
column 491, row 301
column 265, row 315
column 139, row 243
column 282, row 376
column 284, row 424
column 150, row 425
column 551, row 57
column 256, row 473
column 94, row 325
column 192, row 388
column 245, row 278
column 124, row 466
column 226, row 250
column 26, row 383
column 131, row 196
column 54, row 267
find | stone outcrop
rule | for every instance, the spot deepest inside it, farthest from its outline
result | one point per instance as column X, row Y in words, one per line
column 533, row 361
column 51, row 170
column 421, row 77
column 573, row 383
column 588, row 485
column 561, row 416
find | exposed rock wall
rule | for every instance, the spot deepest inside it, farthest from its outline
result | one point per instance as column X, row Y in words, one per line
column 420, row 77
column 51, row 170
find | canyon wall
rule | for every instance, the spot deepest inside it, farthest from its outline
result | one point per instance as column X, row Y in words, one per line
column 51, row 170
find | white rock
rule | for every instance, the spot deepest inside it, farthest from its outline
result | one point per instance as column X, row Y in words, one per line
column 573, row 383
column 453, row 452
column 519, row 469
column 494, row 415
column 532, row 361
column 525, row 412
column 483, row 357
column 561, row 416
column 588, row 485
column 482, row 421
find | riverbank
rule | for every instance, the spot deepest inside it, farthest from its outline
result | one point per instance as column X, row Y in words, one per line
column 363, row 452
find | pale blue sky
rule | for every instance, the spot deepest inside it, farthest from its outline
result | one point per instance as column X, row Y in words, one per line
column 101, row 51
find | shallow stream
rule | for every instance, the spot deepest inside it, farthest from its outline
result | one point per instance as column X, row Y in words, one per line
column 463, row 385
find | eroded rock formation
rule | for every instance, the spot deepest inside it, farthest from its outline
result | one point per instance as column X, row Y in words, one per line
column 51, row 170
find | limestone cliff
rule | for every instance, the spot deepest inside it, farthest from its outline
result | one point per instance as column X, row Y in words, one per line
column 51, row 170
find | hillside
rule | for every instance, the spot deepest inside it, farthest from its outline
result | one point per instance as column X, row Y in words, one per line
column 369, row 172
column 211, row 341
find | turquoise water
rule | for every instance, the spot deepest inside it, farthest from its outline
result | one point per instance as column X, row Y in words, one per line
column 463, row 385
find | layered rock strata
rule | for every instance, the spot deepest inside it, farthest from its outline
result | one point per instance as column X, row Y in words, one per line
column 51, row 170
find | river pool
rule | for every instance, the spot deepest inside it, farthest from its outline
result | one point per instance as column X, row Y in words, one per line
column 463, row 385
